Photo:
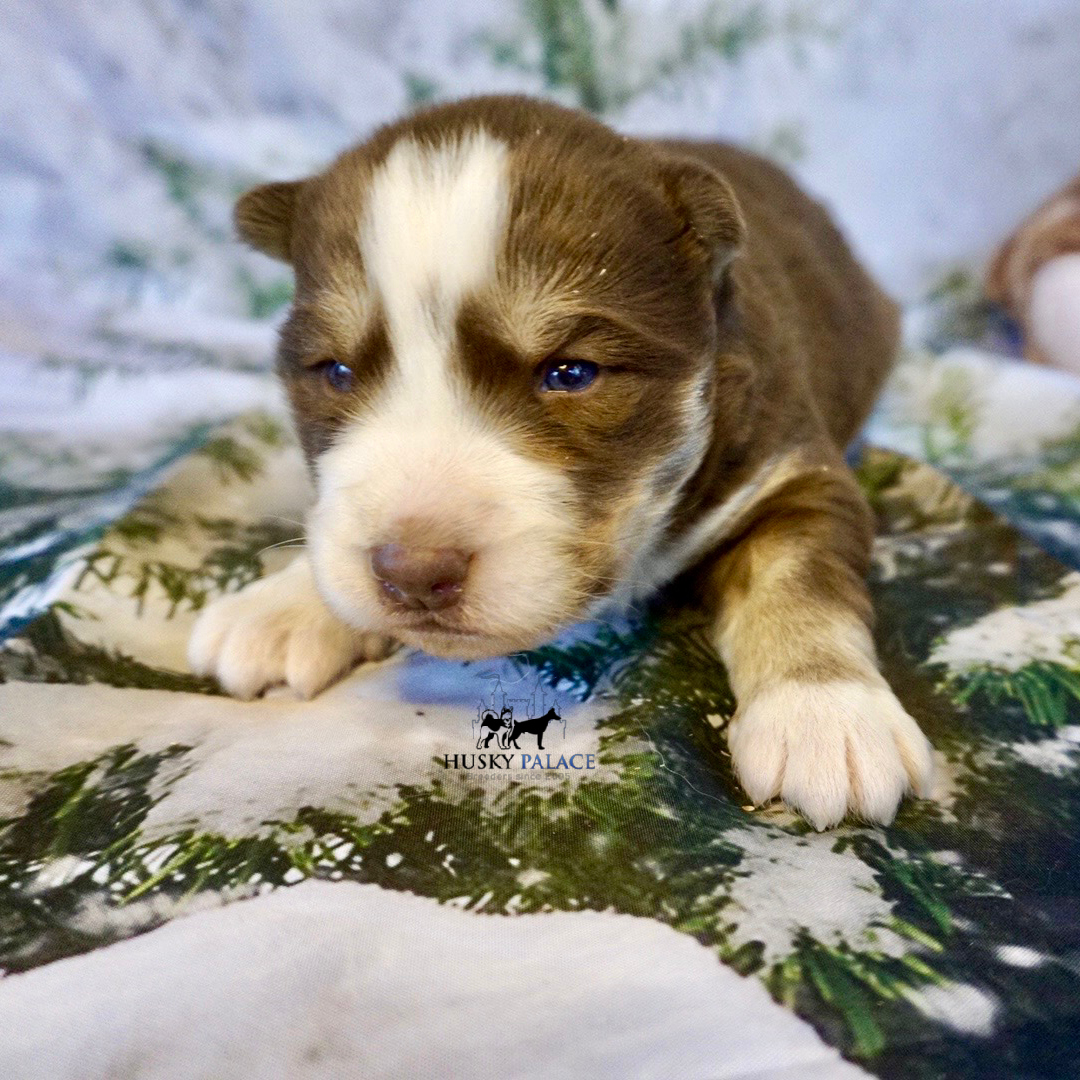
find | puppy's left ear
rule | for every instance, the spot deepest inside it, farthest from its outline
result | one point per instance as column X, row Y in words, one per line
column 264, row 218
column 709, row 209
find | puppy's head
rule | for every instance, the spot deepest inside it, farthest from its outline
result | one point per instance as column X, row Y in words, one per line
column 501, row 358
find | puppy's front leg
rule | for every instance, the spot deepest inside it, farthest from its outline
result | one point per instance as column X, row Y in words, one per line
column 816, row 723
column 278, row 630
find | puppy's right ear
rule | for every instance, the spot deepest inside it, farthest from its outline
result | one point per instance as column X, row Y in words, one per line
column 264, row 217
column 706, row 203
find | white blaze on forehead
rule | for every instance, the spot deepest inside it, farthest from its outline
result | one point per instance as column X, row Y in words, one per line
column 430, row 234
column 423, row 465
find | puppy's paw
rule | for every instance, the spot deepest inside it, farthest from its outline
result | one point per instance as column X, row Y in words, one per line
column 829, row 749
column 278, row 630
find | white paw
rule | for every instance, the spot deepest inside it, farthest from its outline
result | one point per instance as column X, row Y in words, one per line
column 830, row 749
column 278, row 630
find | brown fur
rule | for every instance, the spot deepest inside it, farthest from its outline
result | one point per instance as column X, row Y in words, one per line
column 784, row 584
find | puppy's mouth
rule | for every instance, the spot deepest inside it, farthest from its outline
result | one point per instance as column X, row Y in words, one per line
column 433, row 624
column 441, row 635
column 453, row 642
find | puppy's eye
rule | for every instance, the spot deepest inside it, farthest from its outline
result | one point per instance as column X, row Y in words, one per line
column 567, row 376
column 339, row 376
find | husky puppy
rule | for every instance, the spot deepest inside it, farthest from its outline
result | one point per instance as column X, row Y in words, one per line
column 538, row 368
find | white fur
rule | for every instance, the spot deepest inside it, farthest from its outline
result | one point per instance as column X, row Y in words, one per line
column 1054, row 312
column 278, row 630
column 829, row 749
column 423, row 465
column 430, row 234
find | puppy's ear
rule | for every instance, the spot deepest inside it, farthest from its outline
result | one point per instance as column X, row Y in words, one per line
column 705, row 202
column 264, row 217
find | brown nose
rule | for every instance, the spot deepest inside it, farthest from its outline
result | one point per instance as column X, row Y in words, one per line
column 419, row 578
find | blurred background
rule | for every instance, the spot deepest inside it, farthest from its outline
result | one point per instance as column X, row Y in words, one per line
column 131, row 321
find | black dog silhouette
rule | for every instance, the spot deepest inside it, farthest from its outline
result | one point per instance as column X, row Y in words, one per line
column 536, row 725
column 494, row 725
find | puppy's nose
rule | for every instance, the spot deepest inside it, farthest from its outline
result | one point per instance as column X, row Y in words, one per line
column 417, row 577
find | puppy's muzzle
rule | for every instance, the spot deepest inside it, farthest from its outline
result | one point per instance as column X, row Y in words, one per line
column 420, row 578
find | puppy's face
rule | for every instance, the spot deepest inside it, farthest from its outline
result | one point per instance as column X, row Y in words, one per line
column 501, row 360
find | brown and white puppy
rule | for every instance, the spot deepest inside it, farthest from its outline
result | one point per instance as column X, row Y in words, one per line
column 538, row 368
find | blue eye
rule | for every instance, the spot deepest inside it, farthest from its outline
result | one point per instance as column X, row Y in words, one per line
column 566, row 376
column 339, row 376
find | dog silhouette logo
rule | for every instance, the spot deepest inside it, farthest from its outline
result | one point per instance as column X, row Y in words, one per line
column 510, row 713
column 499, row 718
column 495, row 727
column 535, row 725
